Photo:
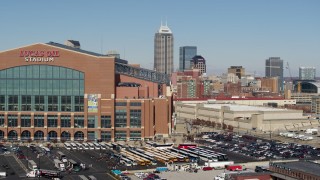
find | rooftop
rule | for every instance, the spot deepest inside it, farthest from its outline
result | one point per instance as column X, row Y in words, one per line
column 304, row 166
column 237, row 107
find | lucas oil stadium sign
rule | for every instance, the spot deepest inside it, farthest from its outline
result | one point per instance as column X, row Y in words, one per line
column 39, row 56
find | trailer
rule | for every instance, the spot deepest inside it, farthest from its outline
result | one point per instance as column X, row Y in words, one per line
column 59, row 165
column 234, row 167
column 44, row 173
column 218, row 164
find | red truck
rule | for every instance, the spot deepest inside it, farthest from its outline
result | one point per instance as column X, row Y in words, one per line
column 234, row 167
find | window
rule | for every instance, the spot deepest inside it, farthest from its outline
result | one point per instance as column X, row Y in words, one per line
column 12, row 120
column 65, row 103
column 121, row 103
column 52, row 103
column 78, row 103
column 121, row 118
column 25, row 88
column 1, row 120
column 25, row 103
column 135, row 135
column 2, row 103
column 91, row 135
column 65, row 120
column 25, row 120
column 78, row 121
column 120, row 135
column 52, row 120
column 39, row 103
column 135, row 103
column 105, row 121
column 13, row 103
column 135, row 118
column 105, row 136
column 38, row 121
column 92, row 121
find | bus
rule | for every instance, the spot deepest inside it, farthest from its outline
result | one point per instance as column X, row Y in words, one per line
column 97, row 146
column 91, row 146
column 62, row 157
column 73, row 146
column 186, row 146
column 67, row 146
column 79, row 145
column 160, row 146
column 103, row 146
column 85, row 146
column 46, row 150
column 126, row 161
column 32, row 165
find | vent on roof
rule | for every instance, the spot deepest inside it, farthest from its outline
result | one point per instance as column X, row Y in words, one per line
column 72, row 43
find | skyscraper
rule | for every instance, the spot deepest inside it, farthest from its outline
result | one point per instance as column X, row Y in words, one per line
column 307, row 73
column 237, row 70
column 198, row 62
column 163, row 50
column 274, row 68
column 186, row 53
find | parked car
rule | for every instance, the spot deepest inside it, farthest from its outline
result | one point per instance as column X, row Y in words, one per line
column 207, row 168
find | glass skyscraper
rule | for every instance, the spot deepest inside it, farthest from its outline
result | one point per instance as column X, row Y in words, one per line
column 186, row 53
column 307, row 73
column 274, row 68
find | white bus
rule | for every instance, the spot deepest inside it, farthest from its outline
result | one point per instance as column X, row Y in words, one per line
column 91, row 146
column 32, row 165
column 126, row 161
column 85, row 146
column 73, row 146
column 79, row 146
column 96, row 145
column 67, row 146
column 103, row 146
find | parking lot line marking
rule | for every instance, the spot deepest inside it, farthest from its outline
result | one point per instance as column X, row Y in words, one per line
column 79, row 159
column 20, row 163
column 111, row 176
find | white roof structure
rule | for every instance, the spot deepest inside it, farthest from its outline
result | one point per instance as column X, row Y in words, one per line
column 237, row 107
column 164, row 29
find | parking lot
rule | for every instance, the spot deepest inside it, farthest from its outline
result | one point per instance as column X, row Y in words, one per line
column 248, row 148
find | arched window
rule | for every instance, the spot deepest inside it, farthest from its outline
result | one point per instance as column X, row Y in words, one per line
column 52, row 135
column 65, row 135
column 25, row 135
column 13, row 135
column 38, row 135
column 78, row 136
column 41, row 88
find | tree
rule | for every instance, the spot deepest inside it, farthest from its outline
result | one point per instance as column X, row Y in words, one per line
column 213, row 124
column 164, row 140
column 224, row 126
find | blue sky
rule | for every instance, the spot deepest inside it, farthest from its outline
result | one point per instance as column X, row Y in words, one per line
column 226, row 33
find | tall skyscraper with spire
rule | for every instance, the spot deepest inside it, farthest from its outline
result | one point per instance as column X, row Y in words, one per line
column 163, row 50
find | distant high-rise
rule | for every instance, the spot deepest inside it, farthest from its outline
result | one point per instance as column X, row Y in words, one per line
column 163, row 50
column 274, row 68
column 186, row 53
column 237, row 70
column 307, row 73
column 198, row 62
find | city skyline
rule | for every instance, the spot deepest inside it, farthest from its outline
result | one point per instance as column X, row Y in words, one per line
column 226, row 33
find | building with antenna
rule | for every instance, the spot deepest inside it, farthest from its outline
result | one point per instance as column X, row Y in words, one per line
column 163, row 50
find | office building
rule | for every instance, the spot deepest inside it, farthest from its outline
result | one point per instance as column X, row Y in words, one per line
column 237, row 70
column 274, row 68
column 307, row 73
column 163, row 50
column 51, row 91
column 186, row 53
column 198, row 62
